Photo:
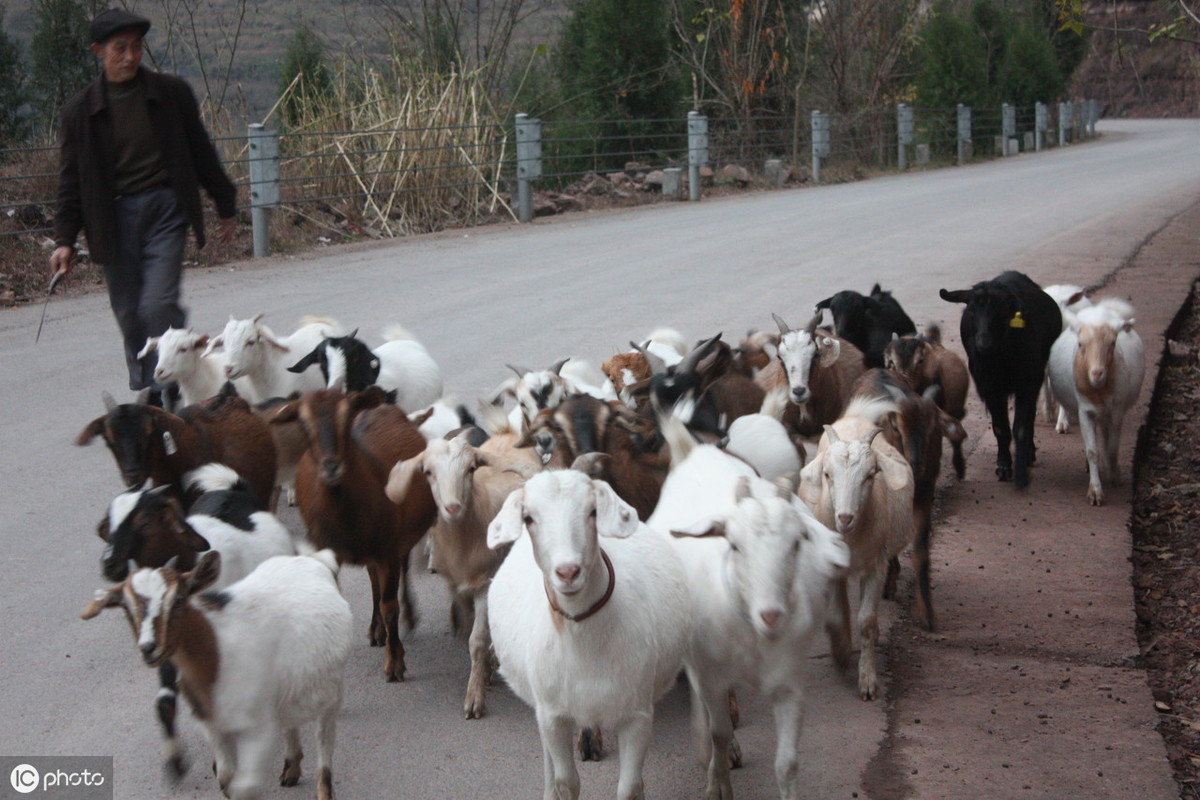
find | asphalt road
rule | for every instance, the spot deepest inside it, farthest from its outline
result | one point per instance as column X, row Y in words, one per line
column 580, row 285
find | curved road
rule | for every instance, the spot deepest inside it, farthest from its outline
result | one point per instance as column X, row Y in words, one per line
column 578, row 285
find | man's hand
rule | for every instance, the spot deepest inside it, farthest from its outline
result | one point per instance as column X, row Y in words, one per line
column 62, row 260
column 225, row 229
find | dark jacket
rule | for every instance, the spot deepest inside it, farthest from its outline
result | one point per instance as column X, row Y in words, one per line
column 85, row 183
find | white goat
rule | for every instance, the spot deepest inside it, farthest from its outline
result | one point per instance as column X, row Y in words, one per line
column 257, row 659
column 469, row 486
column 183, row 357
column 1070, row 298
column 862, row 487
column 1096, row 369
column 589, row 635
column 759, row 568
column 255, row 353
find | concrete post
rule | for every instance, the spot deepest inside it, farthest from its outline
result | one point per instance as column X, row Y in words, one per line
column 529, row 163
column 672, row 187
column 1040, row 123
column 905, row 128
column 1064, row 123
column 820, row 143
column 697, row 151
column 263, row 148
column 964, row 133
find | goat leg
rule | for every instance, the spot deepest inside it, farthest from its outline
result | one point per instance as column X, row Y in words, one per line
column 292, row 756
column 175, row 765
column 1024, row 412
column 376, row 634
column 998, row 410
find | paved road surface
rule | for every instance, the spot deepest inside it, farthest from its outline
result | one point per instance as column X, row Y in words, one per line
column 579, row 285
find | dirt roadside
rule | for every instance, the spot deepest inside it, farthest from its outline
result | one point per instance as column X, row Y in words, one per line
column 1032, row 684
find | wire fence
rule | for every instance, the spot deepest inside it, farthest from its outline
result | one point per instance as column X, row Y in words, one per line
column 399, row 181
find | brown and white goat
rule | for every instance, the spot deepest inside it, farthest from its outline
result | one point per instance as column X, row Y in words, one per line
column 862, row 487
column 914, row 429
column 925, row 363
column 469, row 485
column 818, row 369
column 256, row 660
column 1096, row 370
column 353, row 442
column 151, row 444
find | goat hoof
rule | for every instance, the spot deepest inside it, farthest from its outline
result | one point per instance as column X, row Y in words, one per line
column 1021, row 479
column 175, row 768
column 735, row 754
column 1004, row 473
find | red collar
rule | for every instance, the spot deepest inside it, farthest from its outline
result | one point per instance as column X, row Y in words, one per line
column 599, row 604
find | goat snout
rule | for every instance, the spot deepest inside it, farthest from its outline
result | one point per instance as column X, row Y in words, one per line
column 1097, row 376
column 150, row 653
column 770, row 619
column 799, row 395
column 332, row 471
column 568, row 574
column 845, row 522
column 115, row 570
column 453, row 510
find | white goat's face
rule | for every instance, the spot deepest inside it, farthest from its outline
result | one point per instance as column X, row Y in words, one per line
column 244, row 341
column 150, row 596
column 797, row 349
column 449, row 468
column 849, row 471
column 179, row 353
column 559, row 512
column 1095, row 356
column 765, row 539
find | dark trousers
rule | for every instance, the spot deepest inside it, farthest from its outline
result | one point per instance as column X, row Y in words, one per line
column 144, row 279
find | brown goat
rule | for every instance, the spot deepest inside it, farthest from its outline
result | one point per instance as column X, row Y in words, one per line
column 354, row 440
column 915, row 430
column 924, row 362
column 290, row 444
column 637, row 464
column 151, row 444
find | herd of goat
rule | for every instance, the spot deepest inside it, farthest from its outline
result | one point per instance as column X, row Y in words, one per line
column 697, row 508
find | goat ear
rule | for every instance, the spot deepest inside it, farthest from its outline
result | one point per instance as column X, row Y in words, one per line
column 823, row 304
column 508, row 524
column 103, row 530
column 400, row 478
column 701, row 528
column 151, row 346
column 204, row 575
column 957, row 296
column 307, row 361
column 288, row 412
column 370, row 397
column 94, row 428
column 810, row 479
column 831, row 348
column 895, row 470
column 143, row 397
column 592, row 464
column 614, row 517
column 105, row 598
column 214, row 343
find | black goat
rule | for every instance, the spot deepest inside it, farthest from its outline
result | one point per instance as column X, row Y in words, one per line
column 1007, row 329
column 868, row 322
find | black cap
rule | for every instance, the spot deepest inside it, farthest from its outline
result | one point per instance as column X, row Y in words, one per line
column 115, row 20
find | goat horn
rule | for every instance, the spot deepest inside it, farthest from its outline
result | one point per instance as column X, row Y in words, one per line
column 655, row 363
column 811, row 327
column 520, row 372
column 109, row 403
column 693, row 358
column 870, row 435
column 783, row 326
column 558, row 365
column 832, row 434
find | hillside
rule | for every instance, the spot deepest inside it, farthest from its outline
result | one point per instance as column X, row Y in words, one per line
column 1130, row 75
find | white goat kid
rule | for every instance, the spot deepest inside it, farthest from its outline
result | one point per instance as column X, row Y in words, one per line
column 862, row 487
column 1096, row 370
column 759, row 568
column 257, row 659
column 587, row 635
column 255, row 353
column 183, row 357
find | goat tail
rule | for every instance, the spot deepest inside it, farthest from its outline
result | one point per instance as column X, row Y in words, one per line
column 933, row 332
column 494, row 419
column 872, row 409
column 678, row 438
column 330, row 322
column 397, row 333
column 325, row 556
column 216, row 477
column 1116, row 305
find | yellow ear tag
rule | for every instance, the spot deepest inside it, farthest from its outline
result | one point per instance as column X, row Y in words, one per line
column 1017, row 321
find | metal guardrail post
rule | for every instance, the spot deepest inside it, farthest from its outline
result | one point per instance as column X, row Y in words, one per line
column 1008, row 125
column 964, row 133
column 697, row 151
column 529, row 163
column 263, row 146
column 821, row 144
column 1040, row 124
column 905, row 128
